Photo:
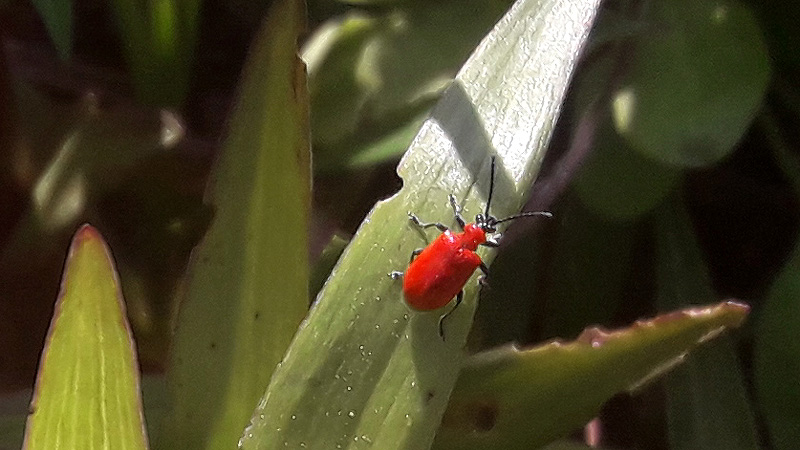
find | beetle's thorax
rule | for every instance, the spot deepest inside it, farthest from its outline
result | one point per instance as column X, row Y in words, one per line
column 472, row 237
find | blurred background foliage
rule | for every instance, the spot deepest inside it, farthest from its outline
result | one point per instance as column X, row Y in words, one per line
column 681, row 126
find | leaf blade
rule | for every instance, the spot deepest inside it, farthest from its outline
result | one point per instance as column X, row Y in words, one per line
column 87, row 391
column 248, row 286
column 523, row 391
column 364, row 370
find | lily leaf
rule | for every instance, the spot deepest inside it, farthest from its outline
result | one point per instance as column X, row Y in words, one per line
column 87, row 391
column 365, row 370
column 248, row 280
column 510, row 398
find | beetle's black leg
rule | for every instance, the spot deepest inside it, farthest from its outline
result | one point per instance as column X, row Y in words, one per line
column 457, row 211
column 422, row 225
column 459, row 298
column 482, row 278
column 396, row 274
column 414, row 254
column 492, row 241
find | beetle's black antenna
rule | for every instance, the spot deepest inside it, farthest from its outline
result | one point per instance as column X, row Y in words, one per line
column 491, row 189
column 525, row 214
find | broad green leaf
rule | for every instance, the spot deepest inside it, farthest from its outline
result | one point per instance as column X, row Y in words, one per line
column 364, row 370
column 707, row 400
column 620, row 184
column 699, row 75
column 332, row 54
column 247, row 287
column 57, row 18
column 510, row 398
column 87, row 391
column 159, row 39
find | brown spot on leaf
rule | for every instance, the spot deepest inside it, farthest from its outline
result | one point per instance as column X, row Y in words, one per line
column 485, row 417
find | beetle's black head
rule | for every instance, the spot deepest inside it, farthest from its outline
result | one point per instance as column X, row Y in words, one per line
column 488, row 222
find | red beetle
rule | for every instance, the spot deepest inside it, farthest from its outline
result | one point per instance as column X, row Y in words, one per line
column 438, row 273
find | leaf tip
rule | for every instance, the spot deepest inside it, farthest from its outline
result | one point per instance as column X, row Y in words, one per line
column 87, row 232
column 732, row 312
column 88, row 238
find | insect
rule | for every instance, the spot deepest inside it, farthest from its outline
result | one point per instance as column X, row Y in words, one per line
column 437, row 273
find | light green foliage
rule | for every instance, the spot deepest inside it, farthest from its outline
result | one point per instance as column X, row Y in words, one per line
column 87, row 391
column 247, row 287
column 365, row 370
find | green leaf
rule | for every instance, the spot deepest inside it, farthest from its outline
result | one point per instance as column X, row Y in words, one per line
column 619, row 184
column 159, row 39
column 509, row 398
column 365, row 370
column 707, row 404
column 699, row 76
column 248, row 282
column 87, row 391
column 57, row 18
column 777, row 357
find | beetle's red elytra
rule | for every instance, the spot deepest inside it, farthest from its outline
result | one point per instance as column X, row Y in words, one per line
column 437, row 273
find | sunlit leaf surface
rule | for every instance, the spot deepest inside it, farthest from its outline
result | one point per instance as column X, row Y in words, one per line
column 365, row 370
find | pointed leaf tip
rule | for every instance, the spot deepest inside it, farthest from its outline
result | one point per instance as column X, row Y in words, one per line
column 729, row 313
column 508, row 396
column 87, row 389
column 86, row 231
